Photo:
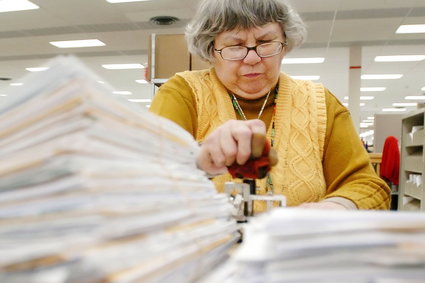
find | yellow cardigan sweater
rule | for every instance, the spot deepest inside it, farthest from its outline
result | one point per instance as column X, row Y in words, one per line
column 345, row 170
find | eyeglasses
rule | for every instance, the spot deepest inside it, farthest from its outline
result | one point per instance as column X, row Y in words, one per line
column 263, row 50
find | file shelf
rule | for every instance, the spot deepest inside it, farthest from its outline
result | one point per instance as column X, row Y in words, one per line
column 412, row 170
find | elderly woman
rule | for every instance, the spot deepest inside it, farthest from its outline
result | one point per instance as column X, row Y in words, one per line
column 322, row 163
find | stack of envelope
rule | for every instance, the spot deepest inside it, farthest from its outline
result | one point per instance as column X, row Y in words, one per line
column 300, row 245
column 96, row 189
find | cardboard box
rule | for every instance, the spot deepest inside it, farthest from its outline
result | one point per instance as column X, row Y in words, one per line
column 168, row 54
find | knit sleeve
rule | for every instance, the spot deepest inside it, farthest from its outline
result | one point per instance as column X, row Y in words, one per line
column 347, row 169
column 175, row 101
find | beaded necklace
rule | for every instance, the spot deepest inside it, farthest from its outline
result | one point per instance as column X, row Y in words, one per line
column 238, row 108
column 269, row 182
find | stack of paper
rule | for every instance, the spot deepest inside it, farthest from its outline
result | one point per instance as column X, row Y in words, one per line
column 295, row 245
column 95, row 189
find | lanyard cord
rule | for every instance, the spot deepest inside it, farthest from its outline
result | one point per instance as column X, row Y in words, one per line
column 239, row 109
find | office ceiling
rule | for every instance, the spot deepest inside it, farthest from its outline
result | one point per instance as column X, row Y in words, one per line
column 333, row 26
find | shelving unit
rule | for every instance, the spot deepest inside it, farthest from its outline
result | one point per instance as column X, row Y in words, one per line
column 412, row 169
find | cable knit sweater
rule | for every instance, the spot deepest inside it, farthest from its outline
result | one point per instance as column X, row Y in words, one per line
column 320, row 153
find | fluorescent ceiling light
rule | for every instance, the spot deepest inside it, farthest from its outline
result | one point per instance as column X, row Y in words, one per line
column 77, row 43
column 313, row 60
column 367, row 133
column 366, row 89
column 16, row 5
column 16, row 84
column 411, row 29
column 362, row 97
column 143, row 100
column 415, row 97
column 371, row 118
column 404, row 104
column 394, row 109
column 423, row 89
column 309, row 78
column 382, row 77
column 368, row 121
column 122, row 92
column 37, row 69
column 122, row 66
column 142, row 81
column 148, row 106
column 125, row 1
column 101, row 82
column 361, row 104
column 3, row 94
column 400, row 58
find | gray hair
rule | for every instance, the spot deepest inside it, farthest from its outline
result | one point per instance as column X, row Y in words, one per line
column 216, row 16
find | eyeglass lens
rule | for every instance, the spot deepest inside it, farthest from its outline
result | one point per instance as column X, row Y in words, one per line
column 240, row 52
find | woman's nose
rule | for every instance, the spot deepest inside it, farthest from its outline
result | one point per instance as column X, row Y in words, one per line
column 252, row 58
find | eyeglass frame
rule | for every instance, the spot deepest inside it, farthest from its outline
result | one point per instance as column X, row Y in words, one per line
column 283, row 44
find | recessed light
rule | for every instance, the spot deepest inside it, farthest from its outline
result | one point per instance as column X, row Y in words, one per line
column 415, row 97
column 312, row 60
column 122, row 66
column 142, row 81
column 16, row 5
column 394, row 109
column 423, row 89
column 411, row 29
column 400, row 58
column 143, row 100
column 382, row 77
column 37, row 69
column 122, row 92
column 309, row 78
column 163, row 20
column 148, row 106
column 404, row 104
column 125, row 1
column 2, row 95
column 77, row 43
column 367, row 89
column 16, row 84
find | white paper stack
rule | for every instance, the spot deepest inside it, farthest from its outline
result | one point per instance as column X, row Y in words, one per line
column 299, row 245
column 95, row 189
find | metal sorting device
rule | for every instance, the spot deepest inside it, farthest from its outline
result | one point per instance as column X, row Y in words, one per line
column 243, row 195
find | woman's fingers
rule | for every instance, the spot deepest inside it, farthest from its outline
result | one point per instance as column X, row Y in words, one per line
column 257, row 134
column 206, row 162
column 228, row 143
column 241, row 136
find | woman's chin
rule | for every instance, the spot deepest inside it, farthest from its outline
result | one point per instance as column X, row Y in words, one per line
column 253, row 93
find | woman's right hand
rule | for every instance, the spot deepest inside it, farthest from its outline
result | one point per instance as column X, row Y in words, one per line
column 229, row 143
